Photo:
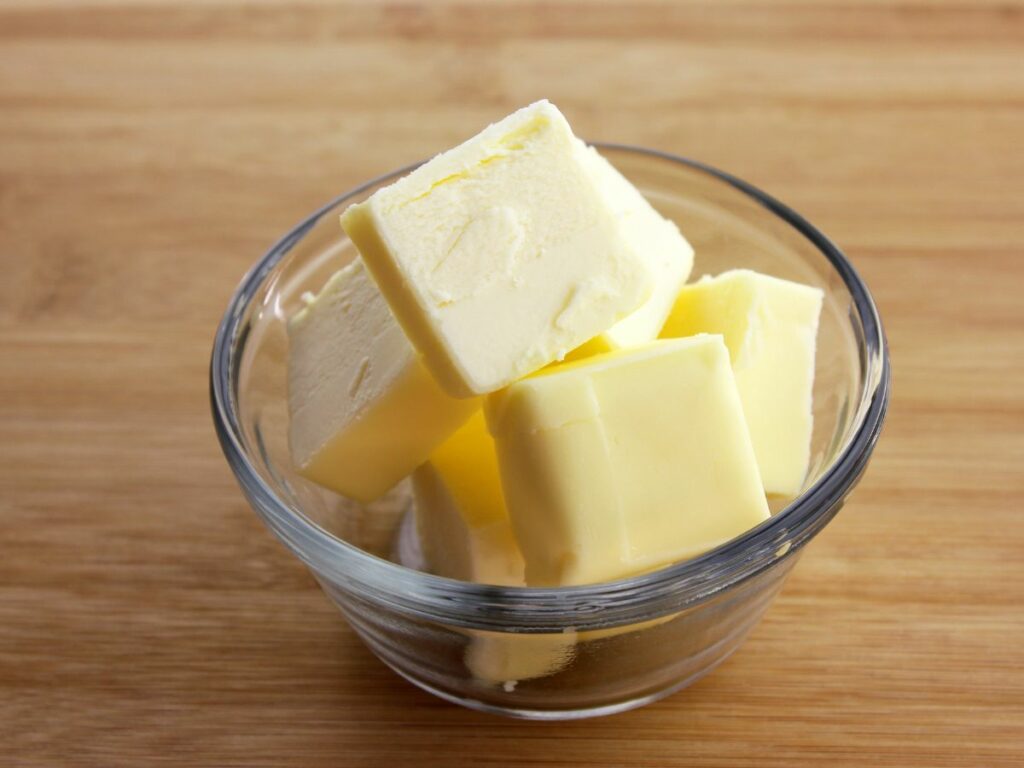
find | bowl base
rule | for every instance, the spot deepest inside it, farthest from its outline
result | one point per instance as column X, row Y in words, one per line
column 555, row 715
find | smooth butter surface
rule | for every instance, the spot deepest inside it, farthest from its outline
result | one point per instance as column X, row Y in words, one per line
column 769, row 326
column 502, row 254
column 364, row 412
column 625, row 462
column 465, row 533
column 669, row 257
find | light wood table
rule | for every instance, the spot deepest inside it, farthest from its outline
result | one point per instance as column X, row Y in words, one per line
column 150, row 151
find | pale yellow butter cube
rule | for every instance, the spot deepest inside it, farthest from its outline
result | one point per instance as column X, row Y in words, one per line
column 502, row 254
column 463, row 528
column 465, row 533
column 500, row 658
column 364, row 412
column 769, row 326
column 668, row 255
column 625, row 462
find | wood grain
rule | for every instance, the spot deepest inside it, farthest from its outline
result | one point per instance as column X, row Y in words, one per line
column 151, row 150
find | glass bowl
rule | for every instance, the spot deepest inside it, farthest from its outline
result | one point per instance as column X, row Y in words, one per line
column 568, row 652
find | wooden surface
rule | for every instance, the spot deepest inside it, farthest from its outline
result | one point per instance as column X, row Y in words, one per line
column 150, row 151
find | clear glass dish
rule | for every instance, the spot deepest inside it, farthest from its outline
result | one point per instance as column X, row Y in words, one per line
column 618, row 645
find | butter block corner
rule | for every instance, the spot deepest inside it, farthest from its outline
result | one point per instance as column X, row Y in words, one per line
column 500, row 255
column 363, row 411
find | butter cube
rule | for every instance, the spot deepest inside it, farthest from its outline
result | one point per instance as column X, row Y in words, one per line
column 769, row 326
column 463, row 528
column 668, row 255
column 502, row 254
column 499, row 658
column 364, row 411
column 465, row 533
column 625, row 462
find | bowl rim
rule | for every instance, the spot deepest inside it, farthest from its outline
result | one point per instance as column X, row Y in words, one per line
column 533, row 609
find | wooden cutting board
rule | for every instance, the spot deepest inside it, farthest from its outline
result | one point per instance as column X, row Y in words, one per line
column 151, row 150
